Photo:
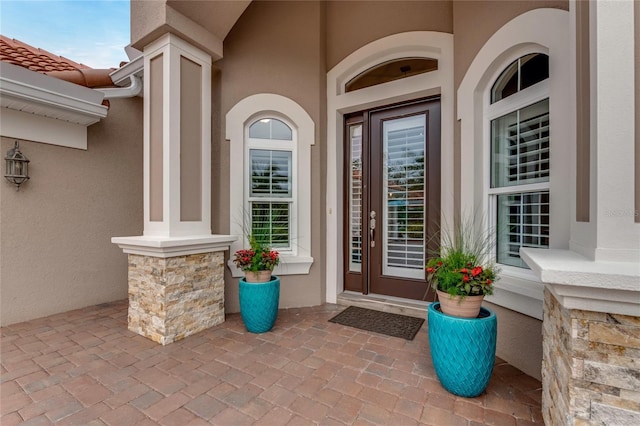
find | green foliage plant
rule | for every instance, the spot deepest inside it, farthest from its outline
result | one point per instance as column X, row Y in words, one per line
column 463, row 265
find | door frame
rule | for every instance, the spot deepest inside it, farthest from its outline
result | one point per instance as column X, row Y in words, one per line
column 423, row 44
column 371, row 121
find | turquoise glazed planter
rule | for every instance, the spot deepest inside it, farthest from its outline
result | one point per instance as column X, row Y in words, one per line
column 259, row 304
column 463, row 350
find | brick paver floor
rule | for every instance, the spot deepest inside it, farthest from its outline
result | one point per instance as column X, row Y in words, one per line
column 85, row 368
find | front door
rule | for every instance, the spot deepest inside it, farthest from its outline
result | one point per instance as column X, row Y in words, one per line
column 392, row 198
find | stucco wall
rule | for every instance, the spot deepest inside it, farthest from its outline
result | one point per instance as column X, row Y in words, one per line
column 275, row 47
column 56, row 253
column 353, row 24
column 519, row 340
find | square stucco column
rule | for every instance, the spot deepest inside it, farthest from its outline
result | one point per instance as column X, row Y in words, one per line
column 176, row 275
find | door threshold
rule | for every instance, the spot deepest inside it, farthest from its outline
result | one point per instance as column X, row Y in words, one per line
column 379, row 302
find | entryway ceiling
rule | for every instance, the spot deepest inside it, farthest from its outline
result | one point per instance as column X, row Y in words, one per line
column 217, row 17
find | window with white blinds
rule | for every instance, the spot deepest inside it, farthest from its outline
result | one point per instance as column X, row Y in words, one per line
column 520, row 154
column 271, row 173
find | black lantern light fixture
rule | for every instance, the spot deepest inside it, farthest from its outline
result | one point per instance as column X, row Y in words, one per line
column 17, row 166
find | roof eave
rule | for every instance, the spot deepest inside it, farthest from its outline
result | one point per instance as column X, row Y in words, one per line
column 39, row 94
column 121, row 76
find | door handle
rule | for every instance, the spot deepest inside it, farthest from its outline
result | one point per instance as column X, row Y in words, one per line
column 372, row 228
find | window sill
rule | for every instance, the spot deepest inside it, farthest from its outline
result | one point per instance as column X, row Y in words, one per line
column 289, row 265
column 585, row 284
column 519, row 292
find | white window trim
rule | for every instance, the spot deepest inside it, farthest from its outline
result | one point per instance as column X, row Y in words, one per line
column 520, row 290
column 238, row 119
column 418, row 44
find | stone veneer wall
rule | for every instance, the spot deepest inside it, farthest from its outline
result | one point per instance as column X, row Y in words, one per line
column 590, row 366
column 175, row 297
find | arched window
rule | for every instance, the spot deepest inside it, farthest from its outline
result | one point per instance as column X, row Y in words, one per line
column 520, row 158
column 270, row 140
column 519, row 75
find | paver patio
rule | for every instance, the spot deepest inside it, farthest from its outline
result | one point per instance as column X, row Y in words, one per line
column 84, row 367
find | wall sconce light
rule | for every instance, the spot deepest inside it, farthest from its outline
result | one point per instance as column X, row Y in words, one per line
column 17, row 169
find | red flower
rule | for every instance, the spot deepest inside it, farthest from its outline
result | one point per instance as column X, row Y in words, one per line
column 476, row 271
column 464, row 271
column 488, row 281
column 440, row 263
column 465, row 278
column 430, row 270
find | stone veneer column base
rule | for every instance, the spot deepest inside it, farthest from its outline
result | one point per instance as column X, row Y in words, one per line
column 174, row 297
column 590, row 366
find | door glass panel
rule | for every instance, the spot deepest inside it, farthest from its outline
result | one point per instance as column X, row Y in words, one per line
column 355, row 199
column 403, row 189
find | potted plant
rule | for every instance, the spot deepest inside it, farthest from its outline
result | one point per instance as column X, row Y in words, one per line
column 462, row 340
column 259, row 290
column 462, row 272
column 257, row 262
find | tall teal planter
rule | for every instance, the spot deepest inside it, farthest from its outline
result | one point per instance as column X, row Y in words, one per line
column 463, row 350
column 259, row 304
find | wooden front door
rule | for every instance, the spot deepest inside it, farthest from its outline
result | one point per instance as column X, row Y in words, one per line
column 392, row 197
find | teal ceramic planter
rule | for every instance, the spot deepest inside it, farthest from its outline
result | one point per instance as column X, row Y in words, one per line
column 259, row 304
column 463, row 350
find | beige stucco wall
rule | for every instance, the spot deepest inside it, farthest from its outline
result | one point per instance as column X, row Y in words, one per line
column 519, row 340
column 275, row 47
column 353, row 24
column 56, row 253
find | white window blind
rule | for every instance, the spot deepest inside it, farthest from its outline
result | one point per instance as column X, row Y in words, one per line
column 355, row 199
column 523, row 221
column 270, row 173
column 270, row 222
column 270, row 196
column 520, row 153
column 528, row 152
column 404, row 149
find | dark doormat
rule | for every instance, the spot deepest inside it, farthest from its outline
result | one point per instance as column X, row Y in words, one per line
column 394, row 325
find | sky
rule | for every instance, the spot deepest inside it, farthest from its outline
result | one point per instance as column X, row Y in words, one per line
column 92, row 32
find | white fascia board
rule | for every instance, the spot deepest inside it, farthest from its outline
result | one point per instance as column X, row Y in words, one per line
column 31, row 127
column 26, row 90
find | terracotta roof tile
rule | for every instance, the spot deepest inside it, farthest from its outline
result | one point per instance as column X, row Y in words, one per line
column 21, row 54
